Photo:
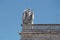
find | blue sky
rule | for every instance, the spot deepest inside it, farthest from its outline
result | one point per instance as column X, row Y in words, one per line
column 45, row 11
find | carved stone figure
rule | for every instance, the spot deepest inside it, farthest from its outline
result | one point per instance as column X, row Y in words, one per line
column 28, row 16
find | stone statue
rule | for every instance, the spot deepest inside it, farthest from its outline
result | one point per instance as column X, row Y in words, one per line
column 28, row 16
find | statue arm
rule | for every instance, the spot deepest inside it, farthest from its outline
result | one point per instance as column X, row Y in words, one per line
column 23, row 17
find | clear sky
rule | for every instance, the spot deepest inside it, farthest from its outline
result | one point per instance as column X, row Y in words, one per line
column 45, row 11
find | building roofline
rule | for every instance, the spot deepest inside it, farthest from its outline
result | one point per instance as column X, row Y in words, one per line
column 40, row 24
